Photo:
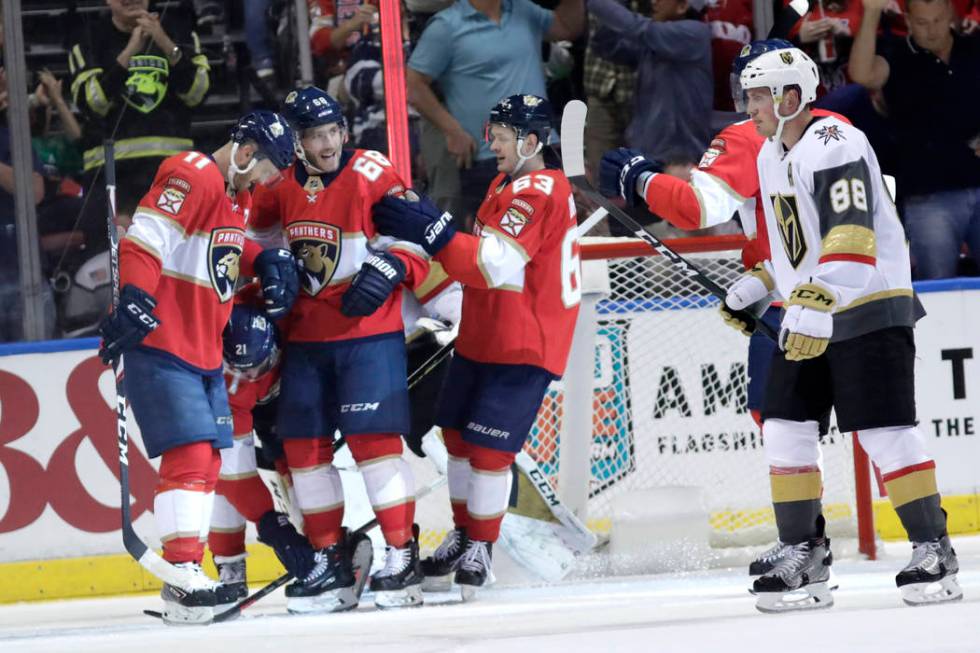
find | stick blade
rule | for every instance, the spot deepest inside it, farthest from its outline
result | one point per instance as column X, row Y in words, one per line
column 573, row 138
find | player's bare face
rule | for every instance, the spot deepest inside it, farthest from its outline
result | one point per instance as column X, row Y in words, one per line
column 929, row 24
column 323, row 146
column 503, row 143
column 128, row 9
column 264, row 172
column 761, row 111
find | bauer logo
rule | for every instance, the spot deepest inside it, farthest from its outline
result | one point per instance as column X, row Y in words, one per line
column 487, row 430
column 317, row 245
column 224, row 252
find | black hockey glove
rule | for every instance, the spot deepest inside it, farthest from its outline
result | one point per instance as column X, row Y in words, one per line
column 378, row 277
column 418, row 222
column 619, row 170
column 292, row 549
column 126, row 326
column 276, row 269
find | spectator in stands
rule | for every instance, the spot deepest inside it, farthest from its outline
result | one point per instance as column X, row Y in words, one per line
column 674, row 90
column 480, row 51
column 135, row 75
column 336, row 25
column 609, row 95
column 258, row 39
column 931, row 84
column 731, row 24
column 826, row 34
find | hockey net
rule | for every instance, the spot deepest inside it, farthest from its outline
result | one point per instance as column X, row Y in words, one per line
column 668, row 388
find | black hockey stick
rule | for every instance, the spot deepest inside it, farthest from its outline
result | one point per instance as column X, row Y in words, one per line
column 432, row 363
column 135, row 546
column 573, row 164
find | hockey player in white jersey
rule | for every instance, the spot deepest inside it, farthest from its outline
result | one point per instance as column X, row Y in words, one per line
column 840, row 262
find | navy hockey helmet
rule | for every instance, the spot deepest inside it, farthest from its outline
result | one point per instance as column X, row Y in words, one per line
column 526, row 114
column 744, row 58
column 250, row 341
column 271, row 133
column 311, row 107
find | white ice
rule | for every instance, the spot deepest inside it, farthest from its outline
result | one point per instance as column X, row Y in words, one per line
column 708, row 611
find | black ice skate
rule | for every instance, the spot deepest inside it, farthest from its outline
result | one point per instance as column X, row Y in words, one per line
column 231, row 581
column 192, row 604
column 438, row 567
column 799, row 581
column 399, row 583
column 329, row 587
column 930, row 577
column 769, row 558
column 475, row 568
column 361, row 557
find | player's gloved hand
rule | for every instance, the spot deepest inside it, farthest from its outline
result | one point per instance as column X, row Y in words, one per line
column 808, row 322
column 750, row 295
column 619, row 170
column 418, row 222
column 126, row 326
column 292, row 549
column 276, row 269
column 378, row 277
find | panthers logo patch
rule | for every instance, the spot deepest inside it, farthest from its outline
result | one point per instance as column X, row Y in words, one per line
column 224, row 252
column 317, row 245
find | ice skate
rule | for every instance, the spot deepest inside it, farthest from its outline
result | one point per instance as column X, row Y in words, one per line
column 231, row 581
column 439, row 567
column 329, row 587
column 192, row 604
column 361, row 557
column 799, row 581
column 769, row 558
column 399, row 583
column 475, row 568
column 930, row 577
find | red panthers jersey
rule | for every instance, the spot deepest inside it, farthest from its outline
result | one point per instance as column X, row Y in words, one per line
column 725, row 181
column 521, row 273
column 244, row 394
column 330, row 229
column 186, row 248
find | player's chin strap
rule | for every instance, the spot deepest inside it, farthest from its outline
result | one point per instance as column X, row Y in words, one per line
column 233, row 168
column 521, row 159
column 781, row 120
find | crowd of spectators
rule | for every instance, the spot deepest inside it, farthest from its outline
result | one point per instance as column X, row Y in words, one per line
column 653, row 72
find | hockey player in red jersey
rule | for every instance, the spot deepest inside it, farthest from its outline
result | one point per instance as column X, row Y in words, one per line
column 178, row 267
column 344, row 365
column 521, row 288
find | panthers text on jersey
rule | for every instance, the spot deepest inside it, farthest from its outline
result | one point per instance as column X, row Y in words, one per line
column 521, row 273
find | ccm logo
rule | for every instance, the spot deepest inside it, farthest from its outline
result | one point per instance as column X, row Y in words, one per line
column 359, row 408
column 486, row 430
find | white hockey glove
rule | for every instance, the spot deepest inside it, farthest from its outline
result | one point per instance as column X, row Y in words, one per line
column 752, row 293
column 809, row 321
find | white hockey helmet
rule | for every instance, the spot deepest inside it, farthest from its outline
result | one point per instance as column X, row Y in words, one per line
column 778, row 70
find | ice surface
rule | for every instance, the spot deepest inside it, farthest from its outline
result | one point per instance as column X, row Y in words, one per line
column 688, row 613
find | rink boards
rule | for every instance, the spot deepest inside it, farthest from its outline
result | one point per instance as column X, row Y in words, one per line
column 59, row 493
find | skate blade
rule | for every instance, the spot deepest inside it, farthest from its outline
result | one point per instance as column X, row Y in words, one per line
column 410, row 597
column 339, row 600
column 361, row 565
column 437, row 583
column 175, row 614
column 941, row 591
column 815, row 596
column 468, row 592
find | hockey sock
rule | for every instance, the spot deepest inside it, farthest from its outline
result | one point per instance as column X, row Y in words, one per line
column 489, row 492
column 319, row 491
column 183, row 499
column 796, row 502
column 915, row 497
column 389, row 482
column 239, row 479
column 227, row 535
column 458, row 470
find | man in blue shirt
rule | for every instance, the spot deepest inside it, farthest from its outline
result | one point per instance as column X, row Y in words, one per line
column 480, row 51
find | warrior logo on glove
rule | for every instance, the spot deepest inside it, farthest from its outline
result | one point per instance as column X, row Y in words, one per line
column 223, row 253
column 318, row 246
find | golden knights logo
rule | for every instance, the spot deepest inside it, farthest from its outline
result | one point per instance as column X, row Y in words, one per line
column 224, row 252
column 317, row 244
column 787, row 57
column 790, row 229
column 146, row 85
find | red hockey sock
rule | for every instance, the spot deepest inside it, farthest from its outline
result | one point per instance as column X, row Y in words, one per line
column 181, row 503
column 319, row 492
column 459, row 475
column 489, row 492
column 389, row 482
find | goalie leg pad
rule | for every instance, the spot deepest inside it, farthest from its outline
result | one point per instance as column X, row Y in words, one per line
column 184, row 495
column 389, row 482
column 319, row 491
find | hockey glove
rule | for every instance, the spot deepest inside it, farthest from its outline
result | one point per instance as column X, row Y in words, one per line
column 292, row 549
column 276, row 269
column 378, row 277
column 619, row 171
column 808, row 323
column 126, row 326
column 418, row 222
column 748, row 296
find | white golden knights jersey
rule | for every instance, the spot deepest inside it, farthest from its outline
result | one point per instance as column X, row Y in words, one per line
column 830, row 218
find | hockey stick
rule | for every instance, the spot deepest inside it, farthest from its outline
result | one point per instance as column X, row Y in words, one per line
column 135, row 546
column 573, row 164
column 576, row 534
column 432, row 363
